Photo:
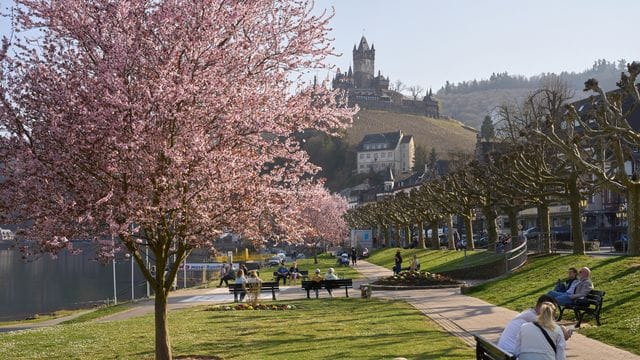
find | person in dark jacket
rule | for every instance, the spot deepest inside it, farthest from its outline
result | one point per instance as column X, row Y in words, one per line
column 398, row 260
column 354, row 256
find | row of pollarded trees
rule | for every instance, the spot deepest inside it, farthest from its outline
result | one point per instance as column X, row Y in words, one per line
column 545, row 152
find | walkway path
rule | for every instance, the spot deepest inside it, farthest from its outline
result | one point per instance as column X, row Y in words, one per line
column 32, row 325
column 464, row 315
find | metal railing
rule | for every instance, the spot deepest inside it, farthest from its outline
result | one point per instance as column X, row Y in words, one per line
column 515, row 258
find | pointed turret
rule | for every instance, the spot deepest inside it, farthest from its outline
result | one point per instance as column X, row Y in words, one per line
column 350, row 73
column 363, row 44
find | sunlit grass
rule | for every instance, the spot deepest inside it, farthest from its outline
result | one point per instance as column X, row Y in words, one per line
column 318, row 329
column 619, row 277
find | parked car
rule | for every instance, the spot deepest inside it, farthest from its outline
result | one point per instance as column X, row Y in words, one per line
column 274, row 261
column 481, row 242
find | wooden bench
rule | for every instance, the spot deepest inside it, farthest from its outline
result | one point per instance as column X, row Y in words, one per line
column 327, row 284
column 486, row 350
column 272, row 287
column 591, row 305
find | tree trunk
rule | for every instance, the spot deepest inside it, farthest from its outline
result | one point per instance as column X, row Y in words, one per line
column 407, row 236
column 435, row 242
column 397, row 228
column 513, row 224
column 576, row 215
column 315, row 253
column 633, row 218
column 492, row 228
column 385, row 230
column 163, row 347
column 421, row 235
column 544, row 235
column 468, row 223
column 450, row 239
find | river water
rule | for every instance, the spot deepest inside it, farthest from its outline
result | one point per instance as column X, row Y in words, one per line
column 69, row 282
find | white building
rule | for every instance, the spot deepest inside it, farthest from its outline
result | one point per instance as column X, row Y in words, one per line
column 379, row 152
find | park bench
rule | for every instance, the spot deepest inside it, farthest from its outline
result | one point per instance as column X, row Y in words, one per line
column 486, row 350
column 327, row 284
column 591, row 305
column 271, row 287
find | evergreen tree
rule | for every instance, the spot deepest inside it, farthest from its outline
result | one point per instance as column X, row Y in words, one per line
column 487, row 131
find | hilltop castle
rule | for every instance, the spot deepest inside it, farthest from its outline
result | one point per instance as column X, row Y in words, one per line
column 372, row 92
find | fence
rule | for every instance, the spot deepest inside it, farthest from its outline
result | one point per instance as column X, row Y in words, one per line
column 515, row 258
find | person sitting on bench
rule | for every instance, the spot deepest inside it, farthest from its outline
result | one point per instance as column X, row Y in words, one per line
column 282, row 273
column 567, row 286
column 509, row 336
column 583, row 288
column 330, row 275
column 543, row 338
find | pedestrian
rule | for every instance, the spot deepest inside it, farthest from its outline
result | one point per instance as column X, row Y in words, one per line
column 354, row 256
column 398, row 262
column 225, row 271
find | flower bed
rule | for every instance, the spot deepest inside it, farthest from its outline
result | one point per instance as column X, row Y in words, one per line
column 251, row 307
column 423, row 278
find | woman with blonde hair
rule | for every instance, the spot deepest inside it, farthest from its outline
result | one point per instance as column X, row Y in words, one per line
column 542, row 339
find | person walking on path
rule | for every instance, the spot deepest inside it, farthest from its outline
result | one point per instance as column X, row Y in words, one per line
column 398, row 261
column 226, row 274
column 542, row 339
column 354, row 256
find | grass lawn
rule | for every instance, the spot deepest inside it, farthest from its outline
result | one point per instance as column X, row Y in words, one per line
column 100, row 312
column 618, row 276
column 41, row 317
column 318, row 329
column 434, row 260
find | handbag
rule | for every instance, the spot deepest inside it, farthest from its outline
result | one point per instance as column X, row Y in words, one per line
column 546, row 336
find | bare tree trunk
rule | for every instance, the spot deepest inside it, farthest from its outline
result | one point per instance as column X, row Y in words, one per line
column 315, row 252
column 468, row 223
column 576, row 215
column 407, row 236
column 633, row 216
column 435, row 242
column 545, row 228
column 421, row 235
column 163, row 347
column 492, row 228
column 450, row 239
column 397, row 227
column 386, row 235
column 513, row 224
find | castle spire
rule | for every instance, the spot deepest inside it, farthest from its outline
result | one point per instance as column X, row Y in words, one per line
column 350, row 72
column 363, row 44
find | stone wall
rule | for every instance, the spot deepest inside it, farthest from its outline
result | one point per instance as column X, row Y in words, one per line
column 413, row 107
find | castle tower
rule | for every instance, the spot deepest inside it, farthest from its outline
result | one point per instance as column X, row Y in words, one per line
column 363, row 64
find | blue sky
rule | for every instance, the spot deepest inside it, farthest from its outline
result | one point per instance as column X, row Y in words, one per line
column 427, row 42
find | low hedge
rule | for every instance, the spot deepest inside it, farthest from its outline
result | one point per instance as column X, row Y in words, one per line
column 568, row 245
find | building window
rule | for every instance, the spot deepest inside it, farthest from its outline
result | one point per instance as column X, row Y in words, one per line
column 384, row 154
column 361, row 166
column 361, row 156
column 368, row 156
column 390, row 154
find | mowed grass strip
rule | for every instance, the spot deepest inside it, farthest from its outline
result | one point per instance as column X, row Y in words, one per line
column 618, row 276
column 317, row 329
column 434, row 260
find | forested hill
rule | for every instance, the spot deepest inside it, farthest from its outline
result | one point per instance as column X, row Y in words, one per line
column 470, row 101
